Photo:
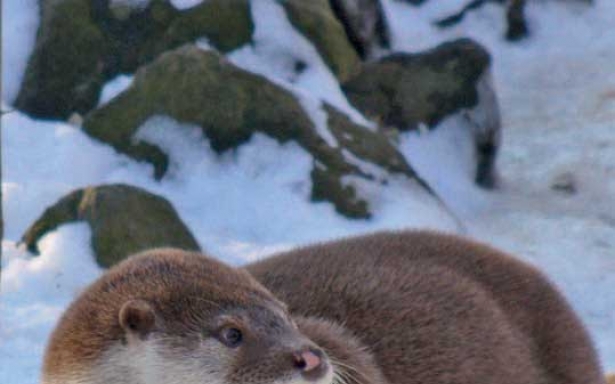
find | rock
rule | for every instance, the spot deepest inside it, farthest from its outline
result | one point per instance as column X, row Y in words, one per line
column 565, row 182
column 405, row 91
column 123, row 220
column 516, row 25
column 610, row 379
column 364, row 23
column 67, row 67
column 202, row 88
column 83, row 43
column 316, row 21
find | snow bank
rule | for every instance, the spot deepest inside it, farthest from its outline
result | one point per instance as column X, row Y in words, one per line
column 18, row 37
column 278, row 51
column 35, row 292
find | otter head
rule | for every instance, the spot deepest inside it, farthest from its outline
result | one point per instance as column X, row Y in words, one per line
column 166, row 317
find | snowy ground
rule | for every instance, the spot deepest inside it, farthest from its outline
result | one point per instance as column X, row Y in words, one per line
column 557, row 93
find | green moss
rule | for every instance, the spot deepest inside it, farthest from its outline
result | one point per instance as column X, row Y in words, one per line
column 403, row 90
column 229, row 104
column 328, row 186
column 123, row 220
column 64, row 211
column 81, row 44
column 227, row 24
column 65, row 72
column 367, row 145
column 201, row 88
column 315, row 20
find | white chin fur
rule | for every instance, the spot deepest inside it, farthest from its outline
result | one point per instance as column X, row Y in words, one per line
column 327, row 379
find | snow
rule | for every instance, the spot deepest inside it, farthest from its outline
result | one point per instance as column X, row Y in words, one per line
column 18, row 36
column 114, row 87
column 185, row 4
column 278, row 50
column 319, row 117
column 557, row 97
column 36, row 290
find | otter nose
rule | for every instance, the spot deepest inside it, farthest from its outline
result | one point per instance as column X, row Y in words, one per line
column 310, row 362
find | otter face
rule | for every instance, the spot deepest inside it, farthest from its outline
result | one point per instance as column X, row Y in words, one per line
column 171, row 317
column 249, row 345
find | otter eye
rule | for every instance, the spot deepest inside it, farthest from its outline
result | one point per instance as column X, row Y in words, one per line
column 231, row 337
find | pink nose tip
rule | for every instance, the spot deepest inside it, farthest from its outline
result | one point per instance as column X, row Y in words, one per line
column 307, row 360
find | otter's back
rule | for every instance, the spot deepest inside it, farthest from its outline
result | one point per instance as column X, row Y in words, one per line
column 434, row 307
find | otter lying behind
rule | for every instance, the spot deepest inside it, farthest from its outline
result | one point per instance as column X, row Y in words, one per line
column 389, row 308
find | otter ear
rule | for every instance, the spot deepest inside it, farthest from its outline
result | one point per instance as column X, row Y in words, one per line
column 137, row 318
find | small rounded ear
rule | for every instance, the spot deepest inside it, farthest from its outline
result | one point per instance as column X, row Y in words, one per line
column 137, row 318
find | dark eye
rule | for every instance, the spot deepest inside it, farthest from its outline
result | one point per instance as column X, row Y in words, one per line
column 231, row 337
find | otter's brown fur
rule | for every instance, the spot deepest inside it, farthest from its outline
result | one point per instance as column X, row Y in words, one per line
column 435, row 308
column 158, row 317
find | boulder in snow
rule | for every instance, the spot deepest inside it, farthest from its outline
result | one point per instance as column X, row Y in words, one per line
column 202, row 88
column 407, row 91
column 123, row 220
column 83, row 43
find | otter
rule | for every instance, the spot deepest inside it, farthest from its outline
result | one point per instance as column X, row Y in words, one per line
column 167, row 316
column 389, row 308
column 436, row 308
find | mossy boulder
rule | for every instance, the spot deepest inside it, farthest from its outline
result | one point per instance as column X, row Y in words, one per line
column 123, row 220
column 404, row 91
column 316, row 21
column 229, row 104
column 83, row 43
column 66, row 69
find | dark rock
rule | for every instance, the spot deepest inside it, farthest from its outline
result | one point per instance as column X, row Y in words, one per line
column 515, row 15
column 202, row 88
column 83, row 43
column 516, row 24
column 123, row 220
column 316, row 21
column 565, row 182
column 403, row 91
column 67, row 67
column 364, row 23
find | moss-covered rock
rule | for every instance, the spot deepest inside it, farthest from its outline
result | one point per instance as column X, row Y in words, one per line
column 315, row 20
column 83, row 43
column 403, row 90
column 66, row 69
column 226, row 24
column 123, row 220
column 230, row 105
